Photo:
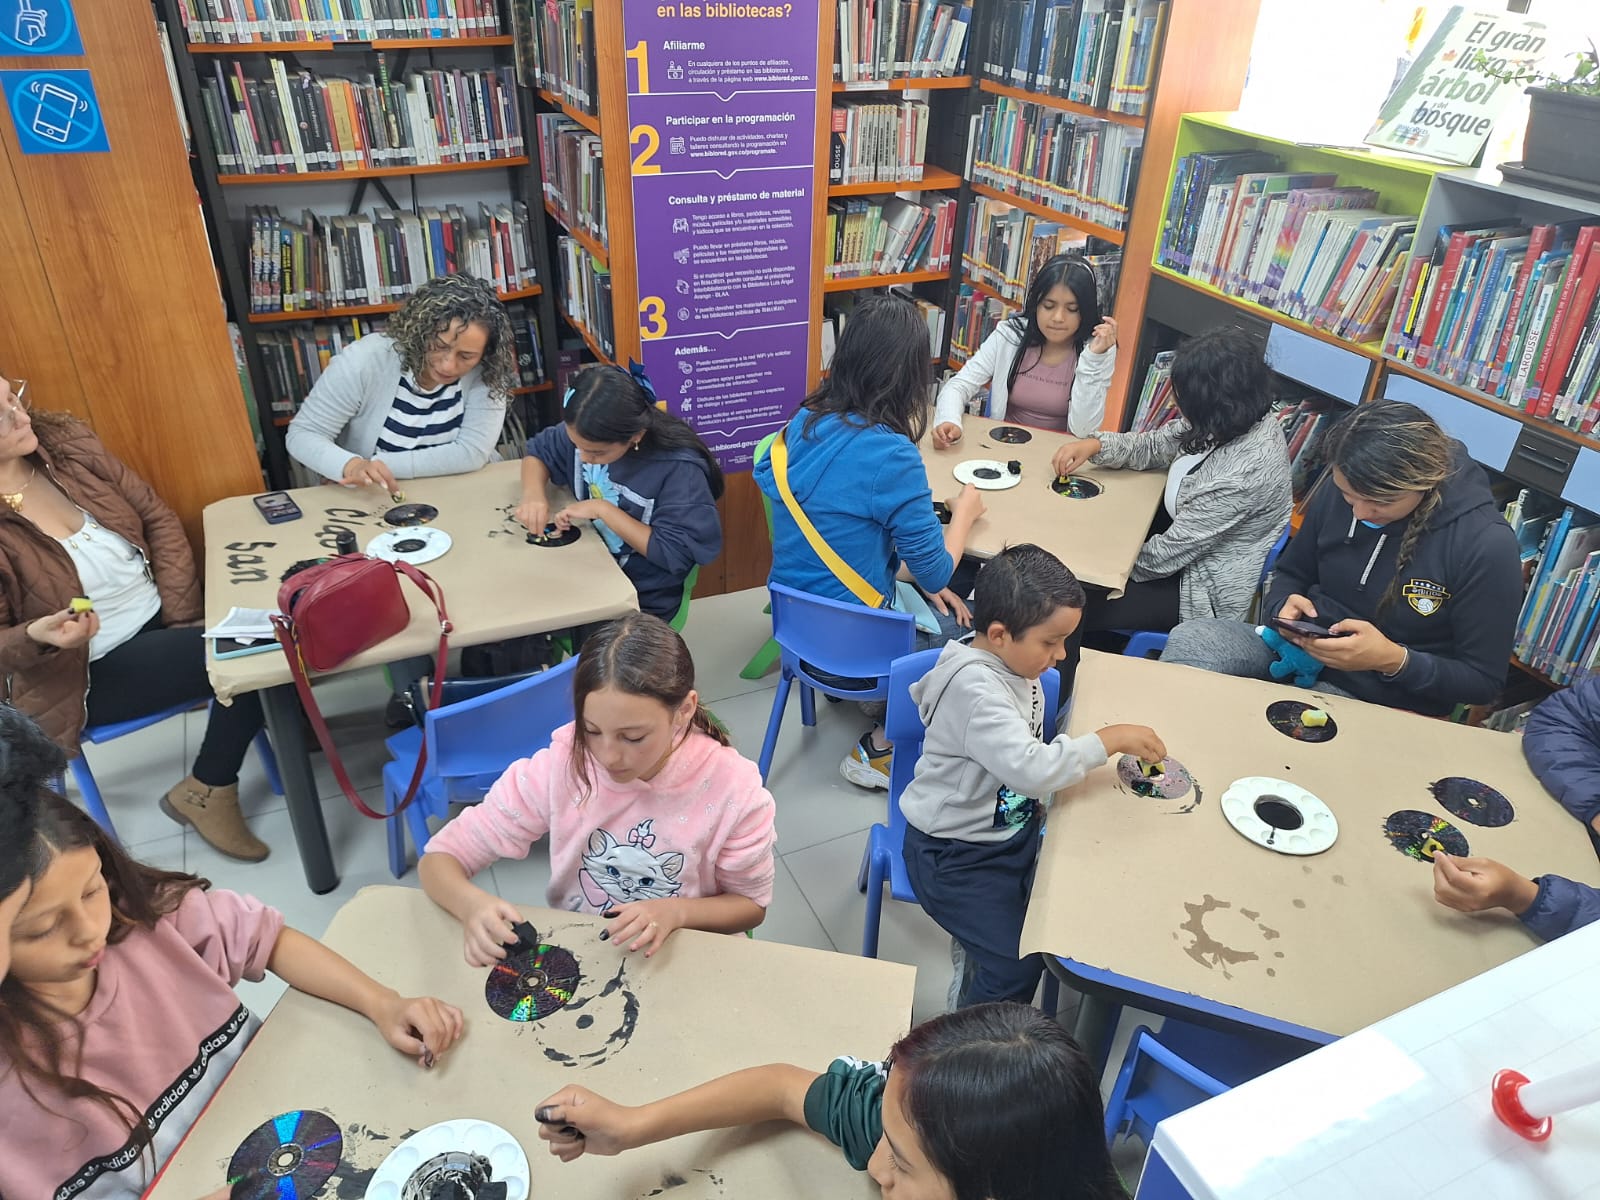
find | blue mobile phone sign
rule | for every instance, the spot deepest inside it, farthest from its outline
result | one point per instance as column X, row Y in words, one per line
column 38, row 27
column 55, row 112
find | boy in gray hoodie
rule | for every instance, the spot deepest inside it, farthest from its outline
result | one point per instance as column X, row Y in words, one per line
column 975, row 807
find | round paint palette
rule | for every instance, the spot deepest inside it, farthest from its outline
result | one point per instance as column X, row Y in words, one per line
column 1472, row 801
column 415, row 546
column 986, row 474
column 416, row 1156
column 1279, row 815
column 1076, row 487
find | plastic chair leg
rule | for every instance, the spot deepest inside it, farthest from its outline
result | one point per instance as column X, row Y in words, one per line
column 808, row 706
column 269, row 762
column 1050, row 1002
column 394, row 832
column 762, row 661
column 877, row 871
column 770, row 742
column 417, row 824
column 93, row 802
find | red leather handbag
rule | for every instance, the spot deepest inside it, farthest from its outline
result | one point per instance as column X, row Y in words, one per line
column 328, row 614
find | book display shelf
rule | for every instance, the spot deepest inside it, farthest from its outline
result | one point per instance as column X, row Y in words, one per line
column 378, row 97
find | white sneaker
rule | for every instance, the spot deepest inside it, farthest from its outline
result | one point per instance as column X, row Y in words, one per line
column 867, row 767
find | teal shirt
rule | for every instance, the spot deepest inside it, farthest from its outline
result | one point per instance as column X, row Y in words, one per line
column 845, row 1105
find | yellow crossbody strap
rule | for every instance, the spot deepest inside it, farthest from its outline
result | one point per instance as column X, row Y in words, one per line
column 842, row 571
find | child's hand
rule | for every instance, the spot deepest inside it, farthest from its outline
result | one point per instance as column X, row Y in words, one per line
column 1138, row 740
column 1475, row 884
column 418, row 1025
column 945, row 435
column 1073, row 453
column 576, row 1121
column 646, row 924
column 1104, row 336
column 487, row 930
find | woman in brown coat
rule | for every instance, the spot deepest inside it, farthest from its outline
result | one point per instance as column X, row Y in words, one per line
column 75, row 521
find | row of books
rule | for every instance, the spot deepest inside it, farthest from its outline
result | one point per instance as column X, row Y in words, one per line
column 1296, row 243
column 555, row 43
column 278, row 123
column 586, row 293
column 1080, row 166
column 878, row 141
column 245, row 21
column 1157, row 401
column 573, row 169
column 1006, row 245
column 839, row 308
column 317, row 263
column 1305, row 427
column 1095, row 52
column 876, row 236
column 901, row 39
column 1558, row 631
column 977, row 315
column 1512, row 311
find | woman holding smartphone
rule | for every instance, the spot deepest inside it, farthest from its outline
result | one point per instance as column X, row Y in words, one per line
column 1403, row 557
column 76, row 522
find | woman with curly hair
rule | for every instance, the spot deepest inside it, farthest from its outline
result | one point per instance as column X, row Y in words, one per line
column 1228, row 490
column 426, row 397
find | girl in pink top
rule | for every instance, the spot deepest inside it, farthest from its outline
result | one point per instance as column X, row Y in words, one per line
column 118, row 1020
column 654, row 820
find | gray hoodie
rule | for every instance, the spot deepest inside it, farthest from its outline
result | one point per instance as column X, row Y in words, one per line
column 984, row 768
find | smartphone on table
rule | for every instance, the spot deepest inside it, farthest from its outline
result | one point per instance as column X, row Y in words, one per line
column 1308, row 629
column 276, row 508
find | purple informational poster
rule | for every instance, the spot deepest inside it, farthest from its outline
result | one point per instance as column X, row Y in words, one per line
column 722, row 110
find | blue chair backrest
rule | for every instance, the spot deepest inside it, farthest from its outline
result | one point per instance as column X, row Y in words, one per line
column 486, row 734
column 846, row 639
column 1273, row 556
column 1163, row 1084
column 903, row 724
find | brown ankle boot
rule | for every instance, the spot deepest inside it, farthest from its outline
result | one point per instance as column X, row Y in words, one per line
column 214, row 813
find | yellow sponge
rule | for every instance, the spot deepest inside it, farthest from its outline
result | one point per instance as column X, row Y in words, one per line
column 1315, row 718
column 82, row 604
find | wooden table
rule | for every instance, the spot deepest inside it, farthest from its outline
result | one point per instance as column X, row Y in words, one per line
column 706, row 1005
column 1099, row 538
column 495, row 586
column 1164, row 904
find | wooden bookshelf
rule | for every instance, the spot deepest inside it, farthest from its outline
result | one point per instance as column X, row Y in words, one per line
column 985, row 289
column 589, row 339
column 935, row 83
column 588, row 120
column 1057, row 102
column 348, row 47
column 534, row 388
column 1046, row 213
column 583, row 238
column 488, row 164
column 934, row 179
column 1372, row 350
column 858, row 282
column 363, row 310
column 1484, row 400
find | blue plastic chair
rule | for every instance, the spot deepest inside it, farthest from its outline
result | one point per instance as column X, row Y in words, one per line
column 883, row 861
column 836, row 638
column 95, row 804
column 1141, row 642
column 470, row 744
column 764, row 659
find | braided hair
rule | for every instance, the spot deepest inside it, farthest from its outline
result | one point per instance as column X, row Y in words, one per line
column 1387, row 449
column 431, row 311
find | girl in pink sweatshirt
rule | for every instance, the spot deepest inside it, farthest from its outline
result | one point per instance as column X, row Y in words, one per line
column 118, row 1020
column 655, row 821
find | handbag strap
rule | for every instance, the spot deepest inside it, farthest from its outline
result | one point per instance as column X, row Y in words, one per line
column 842, row 571
column 297, row 667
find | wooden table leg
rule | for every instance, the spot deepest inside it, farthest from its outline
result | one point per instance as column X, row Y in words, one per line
column 284, row 722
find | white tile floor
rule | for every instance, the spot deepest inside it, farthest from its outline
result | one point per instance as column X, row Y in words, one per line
column 822, row 820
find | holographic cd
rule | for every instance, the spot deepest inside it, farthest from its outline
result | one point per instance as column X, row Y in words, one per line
column 1472, row 801
column 532, row 983
column 1010, row 434
column 1421, row 835
column 411, row 514
column 288, row 1158
column 1172, row 781
column 554, row 537
column 1285, row 716
column 1075, row 487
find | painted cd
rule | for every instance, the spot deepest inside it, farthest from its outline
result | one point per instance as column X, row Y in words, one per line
column 288, row 1158
column 532, row 983
column 1010, row 434
column 1075, row 487
column 1472, row 801
column 1172, row 781
column 554, row 537
column 1286, row 717
column 410, row 514
column 1421, row 835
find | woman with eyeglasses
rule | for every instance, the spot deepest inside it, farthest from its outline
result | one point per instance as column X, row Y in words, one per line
column 75, row 523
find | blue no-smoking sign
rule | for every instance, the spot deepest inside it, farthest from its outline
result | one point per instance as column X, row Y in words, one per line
column 55, row 112
column 38, row 27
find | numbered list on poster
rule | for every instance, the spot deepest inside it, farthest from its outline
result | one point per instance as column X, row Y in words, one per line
column 722, row 125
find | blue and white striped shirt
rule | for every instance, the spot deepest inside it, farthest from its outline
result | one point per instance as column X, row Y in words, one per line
column 418, row 418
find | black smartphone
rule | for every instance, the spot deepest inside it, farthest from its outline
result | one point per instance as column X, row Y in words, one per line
column 276, row 508
column 1308, row 629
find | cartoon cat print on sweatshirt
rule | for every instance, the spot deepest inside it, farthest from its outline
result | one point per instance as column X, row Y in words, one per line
column 622, row 872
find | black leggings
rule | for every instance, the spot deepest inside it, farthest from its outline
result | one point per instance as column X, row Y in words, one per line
column 159, row 668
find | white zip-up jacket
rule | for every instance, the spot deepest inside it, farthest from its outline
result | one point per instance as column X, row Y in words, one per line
column 991, row 366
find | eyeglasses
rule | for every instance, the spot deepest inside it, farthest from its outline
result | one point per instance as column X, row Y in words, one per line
column 18, row 404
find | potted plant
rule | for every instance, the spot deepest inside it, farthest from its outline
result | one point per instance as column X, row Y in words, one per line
column 1563, row 137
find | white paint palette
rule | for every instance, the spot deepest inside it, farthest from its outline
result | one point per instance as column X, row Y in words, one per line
column 415, row 545
column 1279, row 815
column 986, row 474
column 506, row 1157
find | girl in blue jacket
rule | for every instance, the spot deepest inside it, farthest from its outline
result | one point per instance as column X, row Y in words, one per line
column 855, row 471
column 1562, row 745
column 642, row 476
